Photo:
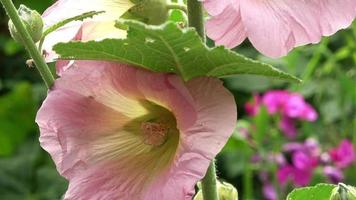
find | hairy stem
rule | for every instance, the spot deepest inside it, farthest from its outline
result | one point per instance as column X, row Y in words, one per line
column 209, row 186
column 196, row 17
column 196, row 20
column 177, row 6
column 28, row 43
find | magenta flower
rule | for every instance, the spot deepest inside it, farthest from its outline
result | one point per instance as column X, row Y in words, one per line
column 252, row 108
column 343, row 155
column 290, row 106
column 274, row 27
column 269, row 192
column 95, row 28
column 119, row 132
column 287, row 126
column 305, row 158
column 335, row 175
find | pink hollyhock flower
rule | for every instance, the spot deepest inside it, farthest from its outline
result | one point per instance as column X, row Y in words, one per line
column 343, row 155
column 274, row 27
column 119, row 132
column 95, row 28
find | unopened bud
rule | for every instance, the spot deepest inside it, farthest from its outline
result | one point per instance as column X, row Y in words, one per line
column 343, row 192
column 32, row 21
column 226, row 191
column 152, row 12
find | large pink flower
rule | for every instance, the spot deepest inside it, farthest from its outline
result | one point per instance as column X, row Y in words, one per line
column 274, row 27
column 95, row 28
column 119, row 132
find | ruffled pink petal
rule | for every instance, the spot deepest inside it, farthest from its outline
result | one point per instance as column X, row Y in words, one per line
column 67, row 127
column 274, row 27
column 200, row 143
column 267, row 27
column 230, row 32
column 95, row 28
column 215, row 7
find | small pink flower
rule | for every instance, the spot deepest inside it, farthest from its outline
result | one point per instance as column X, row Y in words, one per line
column 275, row 100
column 119, row 132
column 297, row 176
column 334, row 174
column 95, row 28
column 274, row 27
column 252, row 108
column 269, row 192
column 343, row 155
column 288, row 127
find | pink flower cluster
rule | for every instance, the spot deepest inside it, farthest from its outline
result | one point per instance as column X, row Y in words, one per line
column 299, row 161
column 291, row 106
column 307, row 156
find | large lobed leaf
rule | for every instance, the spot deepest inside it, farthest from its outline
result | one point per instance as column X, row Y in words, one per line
column 318, row 192
column 168, row 48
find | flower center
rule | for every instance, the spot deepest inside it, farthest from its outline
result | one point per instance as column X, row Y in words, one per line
column 155, row 133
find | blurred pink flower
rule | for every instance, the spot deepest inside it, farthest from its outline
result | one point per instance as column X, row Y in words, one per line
column 303, row 162
column 275, row 100
column 119, row 132
column 253, row 107
column 288, row 127
column 290, row 105
column 95, row 28
column 343, row 155
column 334, row 174
column 269, row 192
column 297, row 176
column 274, row 27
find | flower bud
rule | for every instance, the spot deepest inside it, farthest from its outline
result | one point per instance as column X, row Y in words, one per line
column 152, row 12
column 226, row 191
column 32, row 21
column 343, row 192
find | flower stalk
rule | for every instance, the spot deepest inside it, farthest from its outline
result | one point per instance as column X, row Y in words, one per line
column 29, row 44
column 196, row 20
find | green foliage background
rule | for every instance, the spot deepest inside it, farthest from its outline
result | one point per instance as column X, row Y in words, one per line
column 328, row 70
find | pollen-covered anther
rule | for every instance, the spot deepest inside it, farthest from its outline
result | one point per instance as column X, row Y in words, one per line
column 155, row 133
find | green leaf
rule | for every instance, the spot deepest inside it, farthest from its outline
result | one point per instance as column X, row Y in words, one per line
column 168, row 48
column 318, row 192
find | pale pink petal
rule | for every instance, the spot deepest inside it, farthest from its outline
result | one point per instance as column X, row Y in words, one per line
column 95, row 28
column 230, row 32
column 67, row 127
column 274, row 27
column 267, row 26
column 215, row 7
column 201, row 142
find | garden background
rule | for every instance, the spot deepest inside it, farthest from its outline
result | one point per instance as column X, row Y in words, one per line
column 250, row 159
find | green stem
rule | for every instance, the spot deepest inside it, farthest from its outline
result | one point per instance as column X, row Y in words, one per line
column 248, row 183
column 196, row 20
column 28, row 43
column 196, row 17
column 209, row 186
column 177, row 6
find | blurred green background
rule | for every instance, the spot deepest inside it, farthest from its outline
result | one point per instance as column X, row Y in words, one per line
column 328, row 70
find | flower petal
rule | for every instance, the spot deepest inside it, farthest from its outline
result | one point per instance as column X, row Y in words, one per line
column 231, row 31
column 95, row 28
